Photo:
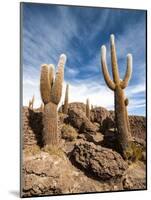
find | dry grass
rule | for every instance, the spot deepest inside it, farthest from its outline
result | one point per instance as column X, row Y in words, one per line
column 134, row 152
column 68, row 133
column 33, row 150
column 53, row 150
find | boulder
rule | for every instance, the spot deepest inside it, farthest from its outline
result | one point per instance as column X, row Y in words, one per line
column 99, row 114
column 78, row 120
column 78, row 105
column 100, row 162
column 98, row 138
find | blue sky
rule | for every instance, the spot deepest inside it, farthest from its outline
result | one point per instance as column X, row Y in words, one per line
column 79, row 32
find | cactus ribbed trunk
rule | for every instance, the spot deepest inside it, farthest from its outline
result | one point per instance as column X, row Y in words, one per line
column 121, row 119
column 65, row 107
column 50, row 121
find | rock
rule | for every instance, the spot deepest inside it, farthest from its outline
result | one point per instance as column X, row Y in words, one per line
column 78, row 106
column 110, row 139
column 97, row 125
column 98, row 161
column 32, row 127
column 62, row 118
column 99, row 114
column 137, row 125
column 135, row 177
column 107, row 124
column 96, row 139
column 78, row 119
column 47, row 174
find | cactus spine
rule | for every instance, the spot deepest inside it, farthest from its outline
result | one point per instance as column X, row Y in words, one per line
column 51, row 91
column 118, row 86
column 65, row 107
column 88, row 109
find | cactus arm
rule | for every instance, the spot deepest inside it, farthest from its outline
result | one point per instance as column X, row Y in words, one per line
column 128, row 73
column 65, row 108
column 106, row 74
column 114, row 60
column 57, row 85
column 32, row 102
column 29, row 106
column 45, row 84
column 51, row 74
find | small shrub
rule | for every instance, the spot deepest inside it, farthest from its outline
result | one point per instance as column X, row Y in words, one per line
column 33, row 150
column 53, row 150
column 68, row 133
column 134, row 152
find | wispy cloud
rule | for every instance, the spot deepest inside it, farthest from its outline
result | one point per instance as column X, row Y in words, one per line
column 50, row 30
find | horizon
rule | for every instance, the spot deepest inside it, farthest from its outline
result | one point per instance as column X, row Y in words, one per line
column 79, row 32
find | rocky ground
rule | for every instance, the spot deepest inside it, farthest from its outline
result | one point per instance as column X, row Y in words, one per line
column 87, row 160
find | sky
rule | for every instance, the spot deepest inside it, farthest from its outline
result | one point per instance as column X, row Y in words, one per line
column 79, row 32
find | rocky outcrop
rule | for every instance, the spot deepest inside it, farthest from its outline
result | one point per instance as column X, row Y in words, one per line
column 78, row 119
column 43, row 175
column 93, row 166
column 137, row 125
column 78, row 105
column 135, row 177
column 32, row 127
column 99, row 114
column 46, row 174
column 98, row 161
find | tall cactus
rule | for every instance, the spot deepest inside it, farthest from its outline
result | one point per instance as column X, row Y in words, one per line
column 51, row 91
column 88, row 109
column 65, row 107
column 118, row 86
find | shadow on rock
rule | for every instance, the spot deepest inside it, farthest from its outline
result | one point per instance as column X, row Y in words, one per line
column 35, row 122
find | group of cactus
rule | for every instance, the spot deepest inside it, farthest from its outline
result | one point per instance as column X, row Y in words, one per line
column 51, row 91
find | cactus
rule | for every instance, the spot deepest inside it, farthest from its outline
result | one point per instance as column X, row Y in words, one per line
column 31, row 103
column 51, row 91
column 91, row 107
column 65, row 107
column 88, row 109
column 126, row 113
column 118, row 86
